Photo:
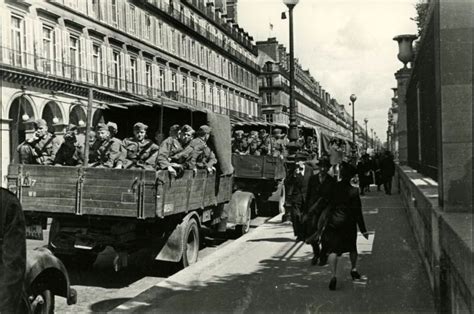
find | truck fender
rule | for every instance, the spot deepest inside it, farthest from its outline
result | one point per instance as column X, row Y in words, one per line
column 172, row 251
column 238, row 208
column 46, row 270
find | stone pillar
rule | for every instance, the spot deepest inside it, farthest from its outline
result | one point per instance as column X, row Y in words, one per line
column 4, row 149
column 454, row 71
column 402, row 76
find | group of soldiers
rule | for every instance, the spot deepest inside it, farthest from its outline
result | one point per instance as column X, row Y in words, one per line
column 261, row 143
column 184, row 149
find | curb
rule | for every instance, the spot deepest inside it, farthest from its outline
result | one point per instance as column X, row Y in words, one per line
column 207, row 262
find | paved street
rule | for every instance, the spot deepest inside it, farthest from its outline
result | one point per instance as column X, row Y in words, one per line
column 101, row 288
column 266, row 271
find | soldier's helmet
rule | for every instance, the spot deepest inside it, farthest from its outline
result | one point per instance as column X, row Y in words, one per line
column 140, row 126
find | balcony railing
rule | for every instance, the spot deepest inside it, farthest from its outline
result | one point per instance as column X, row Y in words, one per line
column 180, row 17
column 50, row 68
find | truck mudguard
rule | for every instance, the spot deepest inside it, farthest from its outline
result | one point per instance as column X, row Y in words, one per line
column 173, row 249
column 237, row 208
column 45, row 268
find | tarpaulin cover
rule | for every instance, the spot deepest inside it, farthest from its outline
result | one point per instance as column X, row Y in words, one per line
column 221, row 140
column 325, row 139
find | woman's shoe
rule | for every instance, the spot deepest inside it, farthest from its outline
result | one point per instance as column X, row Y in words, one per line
column 332, row 283
column 355, row 274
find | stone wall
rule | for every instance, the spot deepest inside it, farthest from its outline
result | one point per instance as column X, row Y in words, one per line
column 444, row 240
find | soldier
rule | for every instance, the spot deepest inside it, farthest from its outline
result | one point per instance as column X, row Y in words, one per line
column 168, row 148
column 254, row 144
column 265, row 144
column 239, row 143
column 12, row 252
column 185, row 135
column 300, row 141
column 202, row 156
column 278, row 144
column 70, row 152
column 41, row 149
column 140, row 152
column 106, row 152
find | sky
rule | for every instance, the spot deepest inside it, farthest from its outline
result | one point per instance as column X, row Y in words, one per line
column 346, row 44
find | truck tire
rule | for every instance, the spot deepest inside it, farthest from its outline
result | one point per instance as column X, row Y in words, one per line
column 240, row 230
column 190, row 243
column 42, row 303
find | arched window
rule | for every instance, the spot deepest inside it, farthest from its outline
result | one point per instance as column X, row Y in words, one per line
column 77, row 116
column 52, row 114
column 21, row 111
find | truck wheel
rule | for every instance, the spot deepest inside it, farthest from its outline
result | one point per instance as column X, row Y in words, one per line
column 240, row 230
column 42, row 303
column 191, row 243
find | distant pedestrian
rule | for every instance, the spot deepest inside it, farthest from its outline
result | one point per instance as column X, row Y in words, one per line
column 364, row 171
column 340, row 234
column 388, row 171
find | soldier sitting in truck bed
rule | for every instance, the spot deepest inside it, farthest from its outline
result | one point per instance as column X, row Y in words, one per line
column 168, row 148
column 197, row 154
column 141, row 152
column 41, row 149
column 239, row 143
column 107, row 151
column 70, row 152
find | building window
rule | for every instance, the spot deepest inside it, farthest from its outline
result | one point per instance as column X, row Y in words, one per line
column 269, row 117
column 74, row 56
column 160, row 33
column 114, row 13
column 194, row 90
column 18, row 38
column 184, row 86
column 48, row 48
column 268, row 98
column 193, row 51
column 96, row 63
column 132, row 18
column 116, row 69
column 173, row 41
column 161, row 83
column 147, row 26
column 96, row 13
column 133, row 74
column 174, row 82
column 183, row 46
column 148, row 75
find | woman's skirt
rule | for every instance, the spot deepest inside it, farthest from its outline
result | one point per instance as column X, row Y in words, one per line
column 340, row 239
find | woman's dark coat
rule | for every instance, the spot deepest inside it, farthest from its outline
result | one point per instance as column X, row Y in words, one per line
column 340, row 234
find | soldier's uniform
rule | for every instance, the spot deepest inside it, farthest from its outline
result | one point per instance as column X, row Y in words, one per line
column 169, row 149
column 197, row 154
column 239, row 144
column 278, row 144
column 41, row 151
column 69, row 153
column 108, row 153
column 265, row 143
column 140, row 154
column 12, row 252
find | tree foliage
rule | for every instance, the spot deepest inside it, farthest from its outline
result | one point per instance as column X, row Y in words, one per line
column 421, row 8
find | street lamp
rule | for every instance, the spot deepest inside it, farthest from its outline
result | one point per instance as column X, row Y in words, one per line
column 372, row 137
column 353, row 98
column 293, row 131
column 366, row 135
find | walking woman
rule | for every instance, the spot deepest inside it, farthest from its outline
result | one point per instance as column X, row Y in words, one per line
column 340, row 235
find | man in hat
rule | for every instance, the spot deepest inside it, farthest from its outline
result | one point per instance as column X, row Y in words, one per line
column 296, row 186
column 254, row 143
column 320, row 193
column 239, row 143
column 106, row 152
column 141, row 152
column 40, row 149
column 69, row 153
column 265, row 144
column 168, row 149
column 278, row 144
column 197, row 154
column 12, row 252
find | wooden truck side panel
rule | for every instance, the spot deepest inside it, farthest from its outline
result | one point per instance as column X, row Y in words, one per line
column 115, row 192
column 258, row 167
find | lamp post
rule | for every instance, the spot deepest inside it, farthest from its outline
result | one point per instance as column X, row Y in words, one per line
column 353, row 98
column 366, row 134
column 372, row 137
column 293, row 131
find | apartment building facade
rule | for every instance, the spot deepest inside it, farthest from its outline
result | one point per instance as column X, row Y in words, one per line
column 186, row 50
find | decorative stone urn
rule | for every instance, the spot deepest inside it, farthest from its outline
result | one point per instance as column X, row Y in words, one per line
column 405, row 48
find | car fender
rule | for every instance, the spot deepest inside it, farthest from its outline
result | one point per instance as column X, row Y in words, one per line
column 43, row 269
column 172, row 251
column 237, row 209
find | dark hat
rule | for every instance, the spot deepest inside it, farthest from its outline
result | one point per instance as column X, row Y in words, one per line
column 241, row 132
column 102, row 127
column 174, row 129
column 204, row 129
column 71, row 128
column 40, row 123
column 323, row 162
column 347, row 170
column 253, row 133
column 301, row 156
column 140, row 126
column 262, row 131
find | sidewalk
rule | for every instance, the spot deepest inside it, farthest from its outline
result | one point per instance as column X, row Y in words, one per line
column 266, row 271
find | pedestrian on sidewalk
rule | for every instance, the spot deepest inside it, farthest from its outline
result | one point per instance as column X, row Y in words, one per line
column 388, row 171
column 319, row 196
column 296, row 186
column 364, row 171
column 340, row 234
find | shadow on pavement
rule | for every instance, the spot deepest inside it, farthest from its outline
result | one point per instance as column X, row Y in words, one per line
column 272, row 240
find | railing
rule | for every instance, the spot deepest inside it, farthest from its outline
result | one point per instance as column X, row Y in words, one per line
column 62, row 70
column 177, row 15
